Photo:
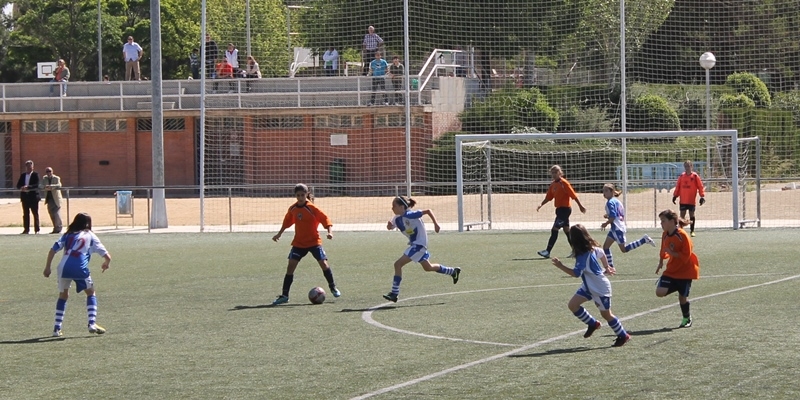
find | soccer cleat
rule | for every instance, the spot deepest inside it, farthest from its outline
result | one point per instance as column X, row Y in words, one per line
column 57, row 333
column 94, row 328
column 686, row 322
column 335, row 291
column 621, row 340
column 280, row 300
column 649, row 241
column 691, row 234
column 591, row 328
column 391, row 297
column 544, row 253
column 456, row 273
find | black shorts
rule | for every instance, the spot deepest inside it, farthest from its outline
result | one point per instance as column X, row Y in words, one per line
column 682, row 286
column 689, row 207
column 562, row 217
column 298, row 253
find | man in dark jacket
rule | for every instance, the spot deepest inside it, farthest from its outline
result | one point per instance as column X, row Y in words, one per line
column 28, row 185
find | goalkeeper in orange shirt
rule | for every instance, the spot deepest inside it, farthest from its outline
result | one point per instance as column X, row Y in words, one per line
column 560, row 191
column 688, row 186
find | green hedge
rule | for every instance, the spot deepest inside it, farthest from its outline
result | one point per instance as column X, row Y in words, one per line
column 751, row 86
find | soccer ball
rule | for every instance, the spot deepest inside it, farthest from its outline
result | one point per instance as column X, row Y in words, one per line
column 316, row 295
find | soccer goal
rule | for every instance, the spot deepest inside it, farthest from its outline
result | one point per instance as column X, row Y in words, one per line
column 501, row 178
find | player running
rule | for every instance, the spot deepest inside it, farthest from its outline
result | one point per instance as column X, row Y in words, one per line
column 615, row 218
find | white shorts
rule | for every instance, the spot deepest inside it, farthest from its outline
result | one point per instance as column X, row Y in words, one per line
column 417, row 253
column 617, row 235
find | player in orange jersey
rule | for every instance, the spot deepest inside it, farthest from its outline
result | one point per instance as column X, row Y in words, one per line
column 682, row 267
column 688, row 186
column 561, row 192
column 306, row 218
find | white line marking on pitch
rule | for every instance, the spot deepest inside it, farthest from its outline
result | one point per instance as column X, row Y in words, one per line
column 367, row 315
column 532, row 345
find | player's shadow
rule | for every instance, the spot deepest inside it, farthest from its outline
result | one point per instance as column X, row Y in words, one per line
column 651, row 331
column 535, row 258
column 554, row 352
column 390, row 307
column 44, row 339
column 246, row 307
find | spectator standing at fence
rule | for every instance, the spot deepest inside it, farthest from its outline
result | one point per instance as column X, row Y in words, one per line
column 306, row 218
column 683, row 266
column 60, row 75
column 561, row 192
column 51, row 185
column 28, row 185
column 232, row 55
column 211, row 52
column 591, row 266
column 688, row 186
column 78, row 244
column 132, row 53
column 396, row 72
column 615, row 220
column 378, row 68
column 331, row 59
column 409, row 223
column 369, row 46
column 194, row 63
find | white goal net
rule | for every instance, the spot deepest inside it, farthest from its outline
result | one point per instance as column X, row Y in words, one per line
column 501, row 178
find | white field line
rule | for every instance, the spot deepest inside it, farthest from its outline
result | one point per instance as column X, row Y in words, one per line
column 367, row 316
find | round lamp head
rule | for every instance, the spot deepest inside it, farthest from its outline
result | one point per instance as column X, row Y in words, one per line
column 707, row 60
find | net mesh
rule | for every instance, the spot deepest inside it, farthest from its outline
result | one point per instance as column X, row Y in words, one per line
column 484, row 67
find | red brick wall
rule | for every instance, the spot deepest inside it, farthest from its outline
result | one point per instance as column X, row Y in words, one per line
column 372, row 154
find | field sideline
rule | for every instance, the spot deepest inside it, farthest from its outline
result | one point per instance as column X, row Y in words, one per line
column 189, row 316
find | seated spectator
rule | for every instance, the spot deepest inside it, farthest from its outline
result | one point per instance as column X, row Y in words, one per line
column 224, row 71
column 252, row 71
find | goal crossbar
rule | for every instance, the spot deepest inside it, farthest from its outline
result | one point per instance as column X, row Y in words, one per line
column 462, row 140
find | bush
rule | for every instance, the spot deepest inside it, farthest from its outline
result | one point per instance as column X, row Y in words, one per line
column 508, row 109
column 592, row 119
column 650, row 112
column 750, row 86
column 789, row 101
column 738, row 101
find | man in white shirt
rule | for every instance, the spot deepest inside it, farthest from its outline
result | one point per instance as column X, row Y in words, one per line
column 331, row 58
column 132, row 53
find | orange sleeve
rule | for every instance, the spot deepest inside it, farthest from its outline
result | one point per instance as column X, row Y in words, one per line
column 288, row 220
column 700, row 187
column 685, row 265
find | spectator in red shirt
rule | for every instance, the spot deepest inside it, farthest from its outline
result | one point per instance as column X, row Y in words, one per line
column 224, row 71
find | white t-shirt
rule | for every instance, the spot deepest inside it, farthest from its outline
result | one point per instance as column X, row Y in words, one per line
column 131, row 51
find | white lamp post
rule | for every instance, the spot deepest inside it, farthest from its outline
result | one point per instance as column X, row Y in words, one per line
column 707, row 61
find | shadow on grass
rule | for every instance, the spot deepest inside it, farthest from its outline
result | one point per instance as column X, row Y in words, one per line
column 555, row 352
column 390, row 307
column 44, row 339
column 244, row 307
column 536, row 258
column 651, row 331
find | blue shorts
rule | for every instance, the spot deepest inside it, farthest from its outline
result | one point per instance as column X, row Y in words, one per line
column 562, row 217
column 297, row 253
column 603, row 303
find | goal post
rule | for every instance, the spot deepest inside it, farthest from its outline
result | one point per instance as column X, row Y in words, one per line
column 503, row 167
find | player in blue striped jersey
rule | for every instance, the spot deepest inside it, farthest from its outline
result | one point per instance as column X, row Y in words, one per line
column 410, row 223
column 78, row 245
column 615, row 218
column 591, row 266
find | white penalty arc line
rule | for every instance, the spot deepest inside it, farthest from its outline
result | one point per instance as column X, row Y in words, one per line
column 546, row 341
column 367, row 315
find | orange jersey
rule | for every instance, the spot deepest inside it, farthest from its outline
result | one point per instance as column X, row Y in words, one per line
column 562, row 192
column 687, row 188
column 306, row 220
column 685, row 264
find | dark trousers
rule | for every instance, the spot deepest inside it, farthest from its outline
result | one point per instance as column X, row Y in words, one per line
column 30, row 206
column 378, row 82
column 397, row 84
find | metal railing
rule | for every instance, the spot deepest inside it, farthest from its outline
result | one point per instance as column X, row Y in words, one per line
column 185, row 94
